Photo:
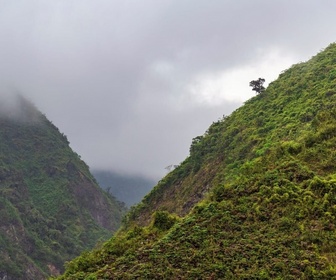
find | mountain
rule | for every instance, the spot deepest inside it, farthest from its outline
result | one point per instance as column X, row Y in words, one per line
column 126, row 188
column 51, row 207
column 255, row 199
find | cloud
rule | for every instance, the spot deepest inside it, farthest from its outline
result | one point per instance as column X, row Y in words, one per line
column 14, row 107
column 230, row 86
column 132, row 82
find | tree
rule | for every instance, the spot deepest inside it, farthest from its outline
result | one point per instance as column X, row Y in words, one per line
column 257, row 85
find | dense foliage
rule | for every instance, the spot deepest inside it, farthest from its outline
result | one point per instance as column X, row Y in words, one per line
column 270, row 209
column 51, row 209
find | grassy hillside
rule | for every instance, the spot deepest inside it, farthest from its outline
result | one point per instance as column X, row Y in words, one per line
column 256, row 198
column 51, row 208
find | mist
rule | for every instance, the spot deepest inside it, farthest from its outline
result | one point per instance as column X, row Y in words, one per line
column 15, row 107
column 132, row 83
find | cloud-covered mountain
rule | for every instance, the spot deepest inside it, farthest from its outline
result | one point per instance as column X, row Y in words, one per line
column 129, row 189
column 51, row 208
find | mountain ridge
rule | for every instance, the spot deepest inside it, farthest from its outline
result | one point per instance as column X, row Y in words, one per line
column 129, row 189
column 52, row 208
column 261, row 194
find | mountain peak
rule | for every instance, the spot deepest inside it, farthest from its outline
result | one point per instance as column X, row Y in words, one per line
column 15, row 107
column 51, row 207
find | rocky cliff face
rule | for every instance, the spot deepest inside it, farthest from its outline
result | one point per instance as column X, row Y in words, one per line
column 51, row 207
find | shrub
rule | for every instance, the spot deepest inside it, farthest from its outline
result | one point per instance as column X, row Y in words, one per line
column 163, row 220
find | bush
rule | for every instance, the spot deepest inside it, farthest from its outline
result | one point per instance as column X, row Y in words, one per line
column 163, row 220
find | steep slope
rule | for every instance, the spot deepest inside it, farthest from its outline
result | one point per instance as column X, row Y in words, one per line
column 266, row 180
column 292, row 101
column 130, row 189
column 51, row 208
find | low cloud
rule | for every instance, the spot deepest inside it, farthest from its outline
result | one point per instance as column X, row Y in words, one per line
column 15, row 107
column 131, row 83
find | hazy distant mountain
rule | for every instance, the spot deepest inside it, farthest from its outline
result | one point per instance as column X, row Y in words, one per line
column 129, row 189
column 255, row 199
column 51, row 209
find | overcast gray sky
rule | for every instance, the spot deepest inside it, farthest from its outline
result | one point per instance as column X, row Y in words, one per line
column 132, row 82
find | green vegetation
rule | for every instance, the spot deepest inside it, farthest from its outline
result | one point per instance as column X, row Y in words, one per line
column 51, row 209
column 257, row 85
column 256, row 197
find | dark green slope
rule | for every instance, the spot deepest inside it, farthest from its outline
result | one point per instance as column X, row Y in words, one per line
column 51, row 208
column 270, row 212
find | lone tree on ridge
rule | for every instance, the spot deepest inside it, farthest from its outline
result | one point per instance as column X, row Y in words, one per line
column 257, row 85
